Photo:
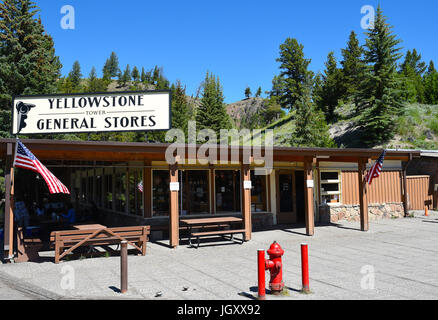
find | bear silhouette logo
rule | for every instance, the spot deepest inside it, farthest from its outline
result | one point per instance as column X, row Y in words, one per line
column 23, row 110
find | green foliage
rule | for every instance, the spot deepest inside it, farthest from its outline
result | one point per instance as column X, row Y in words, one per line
column 290, row 84
column 311, row 128
column 248, row 92
column 353, row 68
column 212, row 113
column 28, row 64
column 328, row 91
column 95, row 84
column 180, row 108
column 412, row 70
column 135, row 74
column 430, row 83
column 111, row 68
column 75, row 75
column 379, row 99
column 259, row 92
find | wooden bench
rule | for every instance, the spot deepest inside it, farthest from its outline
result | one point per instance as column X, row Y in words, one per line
column 203, row 228
column 229, row 232
column 67, row 241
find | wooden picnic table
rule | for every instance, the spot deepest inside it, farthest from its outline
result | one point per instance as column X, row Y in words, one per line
column 207, row 223
column 88, row 226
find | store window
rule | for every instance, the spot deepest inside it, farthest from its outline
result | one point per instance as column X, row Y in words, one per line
column 258, row 192
column 135, row 195
column 98, row 196
column 196, row 196
column 120, row 190
column 160, row 192
column 227, row 189
column 330, row 187
column 108, row 190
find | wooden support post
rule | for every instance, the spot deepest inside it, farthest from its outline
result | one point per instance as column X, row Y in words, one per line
column 212, row 191
column 246, row 200
column 8, row 230
column 308, row 195
column 173, row 208
column 363, row 196
column 405, row 189
column 147, row 189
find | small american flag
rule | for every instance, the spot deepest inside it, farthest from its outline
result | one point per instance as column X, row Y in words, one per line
column 140, row 186
column 375, row 170
column 26, row 160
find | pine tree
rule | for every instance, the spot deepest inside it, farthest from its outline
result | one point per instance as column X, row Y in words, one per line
column 311, row 129
column 95, row 84
column 259, row 92
column 411, row 71
column 430, row 83
column 28, row 64
column 352, row 68
column 330, row 90
column 111, row 68
column 135, row 74
column 143, row 75
column 248, row 92
column 75, row 75
column 180, row 108
column 293, row 73
column 212, row 113
column 126, row 77
column 379, row 99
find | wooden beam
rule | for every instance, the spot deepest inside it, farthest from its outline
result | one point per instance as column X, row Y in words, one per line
column 212, row 190
column 308, row 196
column 363, row 195
column 246, row 201
column 8, row 230
column 174, row 210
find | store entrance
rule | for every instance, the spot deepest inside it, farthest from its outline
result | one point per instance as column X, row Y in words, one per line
column 195, row 195
column 290, row 197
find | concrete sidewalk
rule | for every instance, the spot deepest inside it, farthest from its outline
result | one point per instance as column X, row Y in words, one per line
column 396, row 259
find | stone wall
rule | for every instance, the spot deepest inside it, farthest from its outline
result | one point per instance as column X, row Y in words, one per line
column 336, row 213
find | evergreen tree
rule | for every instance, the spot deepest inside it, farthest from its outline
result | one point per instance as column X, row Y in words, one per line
column 212, row 113
column 28, row 64
column 248, row 92
column 180, row 108
column 352, row 68
column 126, row 77
column 430, row 83
column 95, row 84
column 111, row 68
column 143, row 75
column 75, row 75
column 311, row 129
column 259, row 92
column 330, row 90
column 293, row 73
column 412, row 70
column 135, row 74
column 379, row 100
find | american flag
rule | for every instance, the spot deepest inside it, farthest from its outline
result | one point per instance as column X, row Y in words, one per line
column 140, row 186
column 26, row 160
column 375, row 170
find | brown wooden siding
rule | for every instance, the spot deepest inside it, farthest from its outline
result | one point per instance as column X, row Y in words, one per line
column 419, row 192
column 383, row 189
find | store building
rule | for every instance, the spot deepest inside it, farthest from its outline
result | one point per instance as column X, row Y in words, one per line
column 305, row 185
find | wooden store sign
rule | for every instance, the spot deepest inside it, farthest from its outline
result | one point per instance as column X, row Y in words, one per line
column 94, row 112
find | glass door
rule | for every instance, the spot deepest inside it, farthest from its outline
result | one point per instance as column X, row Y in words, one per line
column 286, row 207
column 227, row 190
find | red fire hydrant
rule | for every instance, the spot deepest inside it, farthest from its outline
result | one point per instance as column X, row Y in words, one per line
column 275, row 266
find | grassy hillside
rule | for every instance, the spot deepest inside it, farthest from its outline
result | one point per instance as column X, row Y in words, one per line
column 416, row 128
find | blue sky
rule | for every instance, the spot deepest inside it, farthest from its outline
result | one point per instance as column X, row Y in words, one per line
column 236, row 40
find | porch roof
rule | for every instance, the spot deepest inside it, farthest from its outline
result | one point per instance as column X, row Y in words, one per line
column 46, row 149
